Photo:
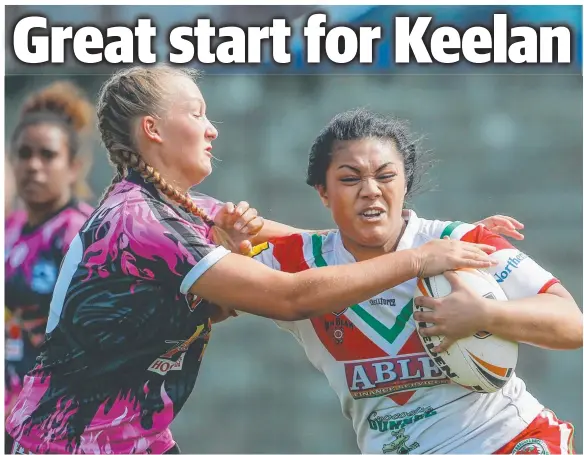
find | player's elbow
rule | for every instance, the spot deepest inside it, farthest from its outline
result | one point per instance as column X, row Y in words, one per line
column 297, row 303
column 295, row 308
column 574, row 336
column 573, row 329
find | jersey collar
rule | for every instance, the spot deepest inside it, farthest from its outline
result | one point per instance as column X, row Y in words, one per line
column 406, row 241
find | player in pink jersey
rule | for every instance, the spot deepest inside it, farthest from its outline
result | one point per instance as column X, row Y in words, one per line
column 46, row 170
column 363, row 166
column 9, row 187
column 129, row 319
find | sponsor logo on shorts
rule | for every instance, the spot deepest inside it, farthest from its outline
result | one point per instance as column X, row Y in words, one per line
column 512, row 264
column 399, row 420
column 380, row 377
column 531, row 446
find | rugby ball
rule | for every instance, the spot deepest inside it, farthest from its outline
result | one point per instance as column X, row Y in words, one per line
column 482, row 362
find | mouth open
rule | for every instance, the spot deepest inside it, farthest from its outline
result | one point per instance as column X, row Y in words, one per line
column 372, row 214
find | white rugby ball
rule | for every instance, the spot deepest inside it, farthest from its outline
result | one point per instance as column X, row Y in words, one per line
column 482, row 362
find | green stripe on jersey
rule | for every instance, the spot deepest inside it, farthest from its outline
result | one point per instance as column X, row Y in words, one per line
column 317, row 251
column 448, row 230
column 388, row 333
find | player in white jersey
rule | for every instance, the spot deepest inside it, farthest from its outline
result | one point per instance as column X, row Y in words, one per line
column 399, row 401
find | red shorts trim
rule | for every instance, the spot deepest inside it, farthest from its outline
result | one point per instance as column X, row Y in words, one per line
column 545, row 435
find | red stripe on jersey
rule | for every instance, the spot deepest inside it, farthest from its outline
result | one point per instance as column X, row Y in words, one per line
column 343, row 340
column 289, row 253
column 338, row 335
column 548, row 285
column 481, row 234
column 401, row 398
column 412, row 346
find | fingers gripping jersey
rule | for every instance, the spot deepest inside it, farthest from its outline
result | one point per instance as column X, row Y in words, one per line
column 398, row 400
column 124, row 337
column 32, row 256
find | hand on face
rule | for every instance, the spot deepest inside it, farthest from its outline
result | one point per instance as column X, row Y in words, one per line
column 458, row 315
column 237, row 226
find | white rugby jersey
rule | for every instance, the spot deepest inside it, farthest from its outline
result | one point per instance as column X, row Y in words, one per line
column 398, row 400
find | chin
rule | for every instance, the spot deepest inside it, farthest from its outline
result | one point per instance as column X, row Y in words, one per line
column 34, row 198
column 374, row 238
column 200, row 173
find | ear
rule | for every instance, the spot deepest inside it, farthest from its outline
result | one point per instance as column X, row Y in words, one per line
column 150, row 127
column 323, row 194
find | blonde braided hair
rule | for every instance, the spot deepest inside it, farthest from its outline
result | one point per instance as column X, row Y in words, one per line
column 128, row 95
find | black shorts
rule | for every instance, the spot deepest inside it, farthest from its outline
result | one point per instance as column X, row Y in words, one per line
column 9, row 445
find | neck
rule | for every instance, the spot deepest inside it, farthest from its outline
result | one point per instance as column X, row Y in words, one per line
column 363, row 252
column 39, row 213
column 170, row 173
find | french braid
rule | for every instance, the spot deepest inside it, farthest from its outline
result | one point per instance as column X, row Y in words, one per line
column 127, row 95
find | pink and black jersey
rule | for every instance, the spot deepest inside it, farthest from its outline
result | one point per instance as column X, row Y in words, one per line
column 32, row 258
column 125, row 338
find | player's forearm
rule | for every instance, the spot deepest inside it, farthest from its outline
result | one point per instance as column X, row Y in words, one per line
column 314, row 297
column 254, row 288
column 274, row 230
column 545, row 320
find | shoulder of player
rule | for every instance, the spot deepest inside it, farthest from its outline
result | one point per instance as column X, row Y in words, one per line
column 76, row 214
column 304, row 247
column 139, row 202
column 438, row 229
column 16, row 218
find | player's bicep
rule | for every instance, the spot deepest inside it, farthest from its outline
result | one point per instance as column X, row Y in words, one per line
column 236, row 282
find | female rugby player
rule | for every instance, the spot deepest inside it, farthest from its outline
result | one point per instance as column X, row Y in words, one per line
column 48, row 163
column 129, row 319
column 364, row 166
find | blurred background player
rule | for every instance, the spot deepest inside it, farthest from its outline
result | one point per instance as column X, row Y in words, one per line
column 47, row 169
column 363, row 167
column 9, row 187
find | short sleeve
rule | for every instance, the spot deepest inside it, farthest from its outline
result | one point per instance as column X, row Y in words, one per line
column 160, row 245
column 517, row 274
column 264, row 253
column 276, row 255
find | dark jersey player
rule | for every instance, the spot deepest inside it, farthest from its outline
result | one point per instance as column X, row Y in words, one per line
column 47, row 165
